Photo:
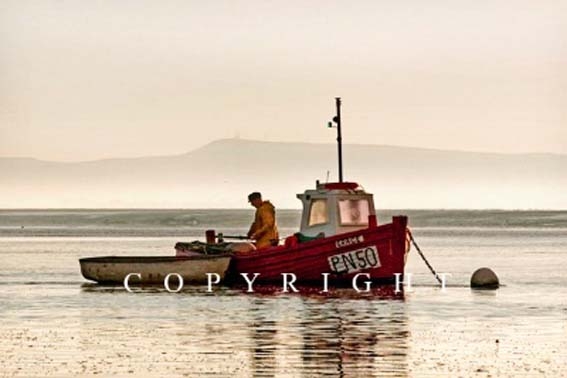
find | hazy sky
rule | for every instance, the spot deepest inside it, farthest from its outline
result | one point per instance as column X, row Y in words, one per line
column 82, row 80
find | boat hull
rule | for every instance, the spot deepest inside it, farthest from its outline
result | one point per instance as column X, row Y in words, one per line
column 378, row 252
column 153, row 269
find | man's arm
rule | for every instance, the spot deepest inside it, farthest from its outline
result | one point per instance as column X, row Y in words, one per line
column 251, row 231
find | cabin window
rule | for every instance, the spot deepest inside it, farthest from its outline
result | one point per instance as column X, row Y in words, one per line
column 354, row 212
column 318, row 212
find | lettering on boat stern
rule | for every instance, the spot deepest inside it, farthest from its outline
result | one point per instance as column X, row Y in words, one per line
column 354, row 261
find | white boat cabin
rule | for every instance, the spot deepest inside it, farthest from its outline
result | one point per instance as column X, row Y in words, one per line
column 336, row 208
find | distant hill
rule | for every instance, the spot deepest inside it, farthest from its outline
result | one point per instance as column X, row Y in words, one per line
column 222, row 173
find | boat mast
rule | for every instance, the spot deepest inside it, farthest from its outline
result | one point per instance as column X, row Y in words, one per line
column 337, row 119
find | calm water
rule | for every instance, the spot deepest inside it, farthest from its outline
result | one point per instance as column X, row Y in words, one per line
column 54, row 323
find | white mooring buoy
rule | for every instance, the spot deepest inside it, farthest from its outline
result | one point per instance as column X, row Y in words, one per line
column 484, row 278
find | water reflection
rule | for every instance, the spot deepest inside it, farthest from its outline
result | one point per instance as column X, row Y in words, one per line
column 263, row 333
column 338, row 336
column 230, row 332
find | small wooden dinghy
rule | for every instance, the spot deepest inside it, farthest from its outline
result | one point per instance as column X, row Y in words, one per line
column 153, row 269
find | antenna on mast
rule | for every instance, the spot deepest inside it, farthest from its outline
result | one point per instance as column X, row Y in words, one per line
column 337, row 121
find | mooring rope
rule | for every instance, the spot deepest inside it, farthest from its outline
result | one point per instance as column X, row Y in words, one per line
column 423, row 257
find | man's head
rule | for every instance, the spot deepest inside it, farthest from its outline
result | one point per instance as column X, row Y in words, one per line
column 255, row 198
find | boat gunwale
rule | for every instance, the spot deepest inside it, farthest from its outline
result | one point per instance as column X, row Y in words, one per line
column 149, row 259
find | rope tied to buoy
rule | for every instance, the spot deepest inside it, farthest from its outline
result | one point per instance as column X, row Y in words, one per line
column 423, row 257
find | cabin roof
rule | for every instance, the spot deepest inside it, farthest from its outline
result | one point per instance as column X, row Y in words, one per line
column 335, row 188
column 339, row 186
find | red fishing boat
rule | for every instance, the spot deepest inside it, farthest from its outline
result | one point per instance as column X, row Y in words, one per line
column 339, row 240
column 339, row 236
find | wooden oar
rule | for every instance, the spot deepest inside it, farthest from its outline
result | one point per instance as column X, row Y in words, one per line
column 240, row 237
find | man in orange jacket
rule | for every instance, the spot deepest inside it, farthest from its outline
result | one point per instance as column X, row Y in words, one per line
column 264, row 229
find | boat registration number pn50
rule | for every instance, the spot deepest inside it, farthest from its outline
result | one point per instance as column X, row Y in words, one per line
column 354, row 261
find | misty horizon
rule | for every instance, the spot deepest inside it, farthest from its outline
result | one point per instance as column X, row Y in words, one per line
column 222, row 173
column 290, row 143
